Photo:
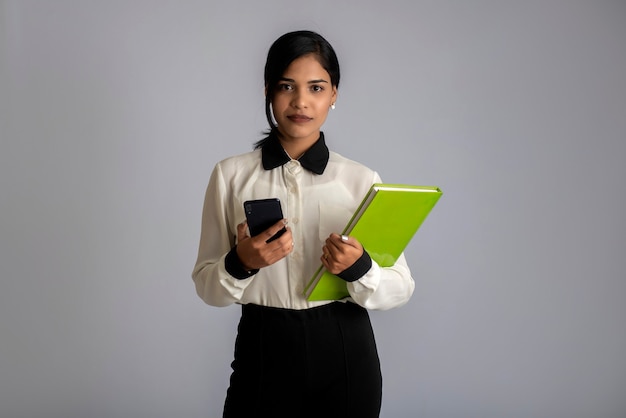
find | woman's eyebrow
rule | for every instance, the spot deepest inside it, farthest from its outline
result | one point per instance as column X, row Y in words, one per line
column 291, row 80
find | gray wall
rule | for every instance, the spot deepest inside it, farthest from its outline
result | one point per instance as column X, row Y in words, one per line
column 113, row 114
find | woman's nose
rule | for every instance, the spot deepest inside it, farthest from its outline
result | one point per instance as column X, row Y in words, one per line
column 298, row 100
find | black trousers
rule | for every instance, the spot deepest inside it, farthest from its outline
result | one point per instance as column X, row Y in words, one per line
column 319, row 362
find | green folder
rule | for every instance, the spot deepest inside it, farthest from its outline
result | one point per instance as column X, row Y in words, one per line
column 384, row 223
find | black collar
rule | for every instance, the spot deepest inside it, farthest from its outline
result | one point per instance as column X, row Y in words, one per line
column 314, row 159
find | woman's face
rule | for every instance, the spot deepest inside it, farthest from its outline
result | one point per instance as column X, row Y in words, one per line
column 302, row 99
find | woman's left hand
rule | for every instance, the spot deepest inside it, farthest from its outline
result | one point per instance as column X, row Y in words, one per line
column 340, row 252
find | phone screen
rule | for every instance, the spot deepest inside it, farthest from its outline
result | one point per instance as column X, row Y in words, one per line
column 263, row 213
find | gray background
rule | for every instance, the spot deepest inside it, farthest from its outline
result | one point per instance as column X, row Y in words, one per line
column 113, row 114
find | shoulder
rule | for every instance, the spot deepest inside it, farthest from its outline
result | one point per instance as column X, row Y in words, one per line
column 339, row 163
column 242, row 162
column 233, row 170
column 354, row 177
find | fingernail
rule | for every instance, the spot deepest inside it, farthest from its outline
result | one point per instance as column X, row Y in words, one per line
column 344, row 238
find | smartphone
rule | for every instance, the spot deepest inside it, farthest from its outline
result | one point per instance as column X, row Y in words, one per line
column 263, row 213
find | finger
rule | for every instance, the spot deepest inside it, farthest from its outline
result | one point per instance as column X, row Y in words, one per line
column 285, row 240
column 340, row 240
column 325, row 261
column 281, row 238
column 242, row 231
column 331, row 265
column 269, row 233
column 351, row 241
column 335, row 246
column 325, row 252
column 289, row 246
column 281, row 246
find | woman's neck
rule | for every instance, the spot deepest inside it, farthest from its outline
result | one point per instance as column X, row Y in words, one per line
column 295, row 148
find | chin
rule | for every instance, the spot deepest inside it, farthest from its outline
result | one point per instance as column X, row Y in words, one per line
column 298, row 134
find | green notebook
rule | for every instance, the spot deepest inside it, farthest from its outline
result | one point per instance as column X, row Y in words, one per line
column 384, row 223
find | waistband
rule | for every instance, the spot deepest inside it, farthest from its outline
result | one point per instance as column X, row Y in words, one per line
column 329, row 311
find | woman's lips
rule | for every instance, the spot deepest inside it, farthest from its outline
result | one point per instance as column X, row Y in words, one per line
column 299, row 118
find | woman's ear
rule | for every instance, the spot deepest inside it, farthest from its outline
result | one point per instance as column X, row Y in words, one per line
column 333, row 98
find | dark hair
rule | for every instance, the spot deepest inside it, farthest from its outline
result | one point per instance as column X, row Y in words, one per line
column 287, row 49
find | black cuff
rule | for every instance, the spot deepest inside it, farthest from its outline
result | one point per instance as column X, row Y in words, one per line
column 358, row 269
column 235, row 267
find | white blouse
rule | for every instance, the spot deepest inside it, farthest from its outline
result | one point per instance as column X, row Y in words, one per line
column 314, row 206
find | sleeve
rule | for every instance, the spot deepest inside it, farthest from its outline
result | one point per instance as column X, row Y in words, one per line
column 214, row 284
column 382, row 288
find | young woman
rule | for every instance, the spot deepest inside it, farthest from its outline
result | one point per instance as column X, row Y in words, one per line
column 293, row 357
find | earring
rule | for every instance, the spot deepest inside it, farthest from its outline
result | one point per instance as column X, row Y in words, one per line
column 332, row 106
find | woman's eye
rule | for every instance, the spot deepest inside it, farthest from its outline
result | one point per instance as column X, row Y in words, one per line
column 285, row 87
column 317, row 88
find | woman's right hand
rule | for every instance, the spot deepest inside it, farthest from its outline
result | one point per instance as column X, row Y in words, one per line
column 255, row 252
